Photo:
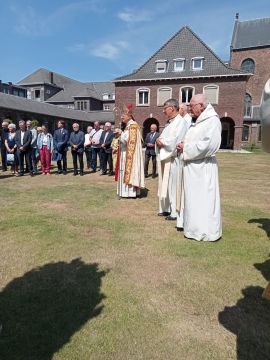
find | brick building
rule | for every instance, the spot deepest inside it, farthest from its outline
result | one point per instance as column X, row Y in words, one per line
column 250, row 52
column 49, row 96
column 182, row 67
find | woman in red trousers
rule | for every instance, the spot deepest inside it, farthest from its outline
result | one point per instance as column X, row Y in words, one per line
column 45, row 147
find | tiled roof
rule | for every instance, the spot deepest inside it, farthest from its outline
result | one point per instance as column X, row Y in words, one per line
column 251, row 33
column 33, row 106
column 43, row 76
column 70, row 87
column 184, row 44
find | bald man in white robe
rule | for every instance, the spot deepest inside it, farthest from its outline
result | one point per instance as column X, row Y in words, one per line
column 202, row 213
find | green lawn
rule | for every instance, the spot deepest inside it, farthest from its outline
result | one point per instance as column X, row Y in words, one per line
column 84, row 275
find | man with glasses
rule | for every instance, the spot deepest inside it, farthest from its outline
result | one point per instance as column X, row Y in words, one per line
column 202, row 215
column 168, row 162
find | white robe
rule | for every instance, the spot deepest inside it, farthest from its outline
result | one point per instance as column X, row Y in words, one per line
column 124, row 190
column 202, row 214
column 168, row 164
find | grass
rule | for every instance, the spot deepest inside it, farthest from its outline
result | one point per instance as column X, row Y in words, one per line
column 86, row 276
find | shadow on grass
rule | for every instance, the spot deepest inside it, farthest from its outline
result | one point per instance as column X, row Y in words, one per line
column 263, row 224
column 249, row 320
column 41, row 310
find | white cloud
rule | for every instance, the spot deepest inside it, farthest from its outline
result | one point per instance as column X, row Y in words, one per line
column 107, row 50
column 29, row 22
column 129, row 15
column 110, row 51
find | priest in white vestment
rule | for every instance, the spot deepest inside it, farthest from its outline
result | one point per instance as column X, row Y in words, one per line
column 183, row 111
column 130, row 164
column 202, row 213
column 168, row 162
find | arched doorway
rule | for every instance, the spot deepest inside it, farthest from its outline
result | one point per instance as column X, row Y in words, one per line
column 227, row 133
column 146, row 126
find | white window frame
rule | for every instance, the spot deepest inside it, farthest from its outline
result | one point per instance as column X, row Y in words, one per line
column 159, row 103
column 140, row 90
column 165, row 67
column 178, row 69
column 180, row 92
column 193, row 62
column 217, row 93
column 106, row 107
column 105, row 96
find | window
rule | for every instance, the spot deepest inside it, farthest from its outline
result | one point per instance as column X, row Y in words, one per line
column 161, row 66
column 15, row 92
column 163, row 94
column 260, row 133
column 105, row 96
column 248, row 65
column 197, row 63
column 85, row 105
column 106, row 107
column 245, row 133
column 211, row 92
column 247, row 106
column 179, row 64
column 37, row 94
column 142, row 98
column 186, row 94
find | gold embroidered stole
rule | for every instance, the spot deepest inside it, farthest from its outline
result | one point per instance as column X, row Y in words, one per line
column 131, row 146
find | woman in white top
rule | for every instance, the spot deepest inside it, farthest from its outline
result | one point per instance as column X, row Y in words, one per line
column 45, row 147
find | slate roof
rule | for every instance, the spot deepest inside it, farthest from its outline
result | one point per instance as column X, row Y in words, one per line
column 184, row 44
column 43, row 76
column 251, row 33
column 36, row 107
column 70, row 88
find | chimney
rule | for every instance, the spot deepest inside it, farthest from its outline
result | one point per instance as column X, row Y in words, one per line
column 236, row 16
column 51, row 75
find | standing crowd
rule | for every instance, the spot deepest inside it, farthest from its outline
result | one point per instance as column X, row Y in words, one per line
column 23, row 148
column 182, row 155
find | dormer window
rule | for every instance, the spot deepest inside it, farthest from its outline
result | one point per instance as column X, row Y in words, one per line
column 161, row 66
column 197, row 63
column 179, row 64
column 105, row 96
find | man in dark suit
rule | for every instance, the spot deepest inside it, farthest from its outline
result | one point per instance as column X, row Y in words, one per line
column 60, row 141
column 106, row 150
column 76, row 141
column 3, row 135
column 23, row 140
column 150, row 152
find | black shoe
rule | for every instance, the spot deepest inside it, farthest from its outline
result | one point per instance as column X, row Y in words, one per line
column 103, row 173
column 81, row 173
column 59, row 172
column 170, row 217
column 110, row 174
column 179, row 228
column 164, row 213
column 154, row 176
column 146, row 176
column 64, row 172
column 75, row 173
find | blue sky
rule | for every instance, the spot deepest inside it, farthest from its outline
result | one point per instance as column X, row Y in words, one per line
column 98, row 40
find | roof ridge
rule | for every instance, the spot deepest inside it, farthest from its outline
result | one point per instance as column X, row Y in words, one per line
column 264, row 18
column 171, row 38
